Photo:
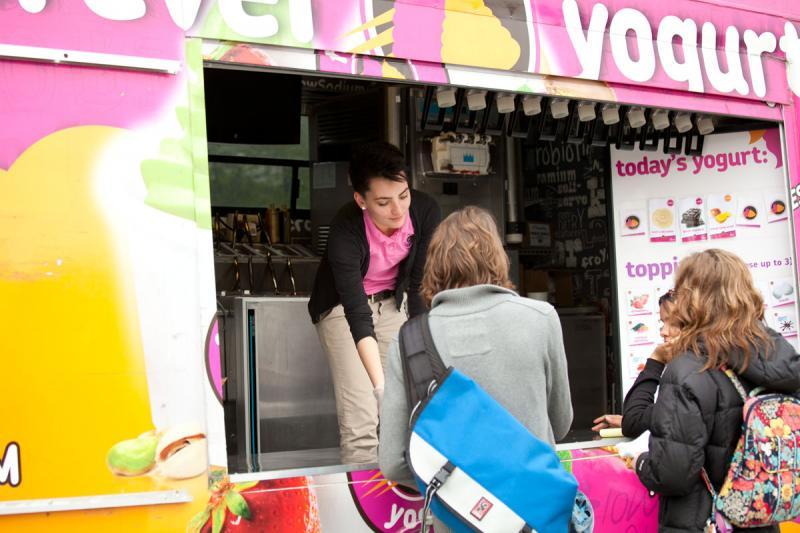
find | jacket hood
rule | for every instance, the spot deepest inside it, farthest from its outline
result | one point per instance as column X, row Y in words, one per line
column 778, row 369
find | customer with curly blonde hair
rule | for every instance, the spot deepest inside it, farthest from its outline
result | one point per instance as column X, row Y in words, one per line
column 696, row 420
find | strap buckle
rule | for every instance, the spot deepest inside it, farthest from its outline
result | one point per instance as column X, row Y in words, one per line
column 435, row 484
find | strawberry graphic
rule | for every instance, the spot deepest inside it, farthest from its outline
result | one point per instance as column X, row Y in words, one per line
column 242, row 53
column 270, row 506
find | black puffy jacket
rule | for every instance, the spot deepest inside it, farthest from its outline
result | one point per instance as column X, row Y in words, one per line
column 695, row 423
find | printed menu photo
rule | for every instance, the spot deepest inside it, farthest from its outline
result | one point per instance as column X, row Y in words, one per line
column 640, row 301
column 633, row 222
column 642, row 330
column 751, row 211
column 637, row 357
column 781, row 292
column 663, row 226
column 721, row 216
column 783, row 320
column 692, row 219
column 777, row 210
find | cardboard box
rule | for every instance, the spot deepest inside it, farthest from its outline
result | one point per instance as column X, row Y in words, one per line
column 535, row 281
column 564, row 295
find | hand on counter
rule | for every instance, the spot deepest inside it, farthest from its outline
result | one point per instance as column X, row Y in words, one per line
column 607, row 421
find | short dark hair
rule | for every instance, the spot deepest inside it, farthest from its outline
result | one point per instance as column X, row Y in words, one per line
column 376, row 160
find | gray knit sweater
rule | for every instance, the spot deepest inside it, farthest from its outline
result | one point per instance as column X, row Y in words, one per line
column 511, row 346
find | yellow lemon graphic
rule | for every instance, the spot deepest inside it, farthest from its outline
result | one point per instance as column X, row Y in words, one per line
column 74, row 377
column 472, row 35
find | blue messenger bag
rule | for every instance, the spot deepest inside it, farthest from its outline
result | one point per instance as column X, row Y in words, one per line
column 479, row 468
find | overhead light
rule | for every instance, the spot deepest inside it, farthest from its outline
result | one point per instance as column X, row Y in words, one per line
column 531, row 104
column 660, row 119
column 683, row 122
column 705, row 125
column 505, row 102
column 636, row 117
column 559, row 108
column 445, row 97
column 586, row 111
column 476, row 99
column 610, row 114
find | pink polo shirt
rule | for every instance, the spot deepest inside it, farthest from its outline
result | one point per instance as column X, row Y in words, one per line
column 385, row 254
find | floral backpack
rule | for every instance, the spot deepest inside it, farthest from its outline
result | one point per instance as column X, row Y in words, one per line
column 762, row 486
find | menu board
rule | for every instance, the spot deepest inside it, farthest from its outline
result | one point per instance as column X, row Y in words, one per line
column 565, row 186
column 667, row 206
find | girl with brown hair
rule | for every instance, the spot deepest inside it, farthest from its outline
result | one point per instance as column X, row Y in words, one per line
column 696, row 420
column 511, row 346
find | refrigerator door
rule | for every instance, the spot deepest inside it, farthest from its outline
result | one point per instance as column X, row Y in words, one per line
column 585, row 345
column 281, row 387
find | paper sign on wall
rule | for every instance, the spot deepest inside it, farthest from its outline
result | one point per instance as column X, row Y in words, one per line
column 738, row 204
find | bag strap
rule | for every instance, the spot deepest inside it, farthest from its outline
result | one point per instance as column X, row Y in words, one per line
column 739, row 387
column 421, row 361
column 736, row 383
column 743, row 393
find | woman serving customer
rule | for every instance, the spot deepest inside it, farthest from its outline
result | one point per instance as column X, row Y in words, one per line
column 375, row 257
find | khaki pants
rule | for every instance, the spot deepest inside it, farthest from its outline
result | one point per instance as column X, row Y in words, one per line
column 356, row 407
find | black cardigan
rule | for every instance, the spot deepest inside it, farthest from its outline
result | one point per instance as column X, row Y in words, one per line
column 340, row 278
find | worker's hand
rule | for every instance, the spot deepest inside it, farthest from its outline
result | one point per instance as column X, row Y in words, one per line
column 607, row 421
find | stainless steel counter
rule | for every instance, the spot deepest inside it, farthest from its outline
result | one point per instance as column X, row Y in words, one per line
column 279, row 389
column 279, row 402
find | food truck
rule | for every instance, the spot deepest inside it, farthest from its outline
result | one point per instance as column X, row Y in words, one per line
column 169, row 170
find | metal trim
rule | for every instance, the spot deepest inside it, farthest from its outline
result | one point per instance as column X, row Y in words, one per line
column 294, row 472
column 103, row 501
column 91, row 59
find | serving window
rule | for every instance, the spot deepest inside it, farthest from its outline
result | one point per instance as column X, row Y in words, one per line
column 579, row 231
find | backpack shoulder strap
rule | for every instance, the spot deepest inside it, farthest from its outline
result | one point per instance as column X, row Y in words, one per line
column 738, row 384
column 421, row 361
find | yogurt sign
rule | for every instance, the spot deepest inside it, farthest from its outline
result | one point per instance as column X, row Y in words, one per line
column 641, row 66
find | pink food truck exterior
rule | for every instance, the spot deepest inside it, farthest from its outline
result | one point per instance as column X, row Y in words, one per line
column 115, row 386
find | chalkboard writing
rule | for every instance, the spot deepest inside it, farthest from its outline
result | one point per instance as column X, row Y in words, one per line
column 565, row 185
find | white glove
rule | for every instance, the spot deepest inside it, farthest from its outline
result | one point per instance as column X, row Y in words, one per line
column 378, row 393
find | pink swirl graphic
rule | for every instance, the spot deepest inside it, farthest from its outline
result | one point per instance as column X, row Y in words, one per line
column 385, row 506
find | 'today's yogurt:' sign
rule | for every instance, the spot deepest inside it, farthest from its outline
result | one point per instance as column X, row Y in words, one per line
column 669, row 206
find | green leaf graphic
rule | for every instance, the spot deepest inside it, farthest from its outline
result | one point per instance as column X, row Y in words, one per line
column 215, row 27
column 196, row 524
column 177, row 178
column 218, row 519
column 566, row 460
column 237, row 504
column 246, row 485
